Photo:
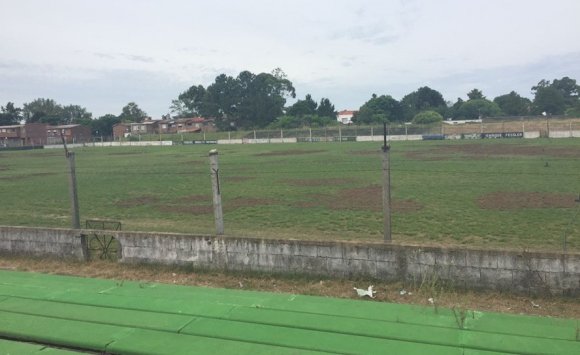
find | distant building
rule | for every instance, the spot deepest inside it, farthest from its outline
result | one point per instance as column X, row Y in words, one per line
column 121, row 130
column 345, row 116
column 124, row 130
column 186, row 125
column 73, row 133
column 30, row 134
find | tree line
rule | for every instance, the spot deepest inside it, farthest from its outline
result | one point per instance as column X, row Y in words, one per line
column 253, row 101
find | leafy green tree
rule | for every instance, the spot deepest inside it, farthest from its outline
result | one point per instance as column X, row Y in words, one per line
column 132, row 113
column 573, row 111
column 513, row 104
column 287, row 122
column 103, row 126
column 246, row 101
column 379, row 109
column 549, row 99
column 10, row 115
column 326, row 109
column 475, row 94
column 453, row 110
column 422, row 99
column 43, row 110
column 264, row 100
column 303, row 107
column 76, row 114
column 478, row 108
column 426, row 117
column 189, row 103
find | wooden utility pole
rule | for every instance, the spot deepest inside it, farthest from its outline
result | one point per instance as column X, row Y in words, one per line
column 72, row 188
column 217, row 196
column 72, row 185
column 386, row 187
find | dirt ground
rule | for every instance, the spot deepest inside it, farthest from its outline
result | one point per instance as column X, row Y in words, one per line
column 518, row 200
column 341, row 288
column 363, row 198
column 288, row 152
column 479, row 150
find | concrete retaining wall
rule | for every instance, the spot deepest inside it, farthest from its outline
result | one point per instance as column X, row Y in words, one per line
column 564, row 134
column 521, row 272
column 511, row 271
column 61, row 243
column 472, row 269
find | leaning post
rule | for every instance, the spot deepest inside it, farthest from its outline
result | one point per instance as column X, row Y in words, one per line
column 217, row 197
column 72, row 186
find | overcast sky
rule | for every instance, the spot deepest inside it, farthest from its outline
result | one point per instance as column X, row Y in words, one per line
column 103, row 54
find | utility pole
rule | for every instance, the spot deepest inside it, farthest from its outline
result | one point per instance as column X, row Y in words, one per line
column 217, row 196
column 72, row 185
column 72, row 188
column 386, row 187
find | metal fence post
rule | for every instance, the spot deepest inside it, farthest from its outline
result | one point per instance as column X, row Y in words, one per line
column 217, row 196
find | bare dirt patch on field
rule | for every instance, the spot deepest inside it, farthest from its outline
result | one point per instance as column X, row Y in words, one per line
column 24, row 177
column 195, row 210
column 125, row 153
column 364, row 199
column 366, row 152
column 235, row 179
column 195, row 198
column 248, row 202
column 288, row 152
column 3, row 168
column 138, row 201
column 205, row 207
column 317, row 182
column 482, row 151
column 519, row 200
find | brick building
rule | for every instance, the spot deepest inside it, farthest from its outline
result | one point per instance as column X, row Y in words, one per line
column 30, row 134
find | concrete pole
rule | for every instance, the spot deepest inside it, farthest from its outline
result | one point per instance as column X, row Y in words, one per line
column 386, row 188
column 72, row 188
column 217, row 196
column 339, row 134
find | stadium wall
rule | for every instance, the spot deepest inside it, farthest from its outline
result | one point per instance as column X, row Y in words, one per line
column 504, row 270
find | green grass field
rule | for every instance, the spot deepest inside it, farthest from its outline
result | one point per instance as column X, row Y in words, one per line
column 496, row 193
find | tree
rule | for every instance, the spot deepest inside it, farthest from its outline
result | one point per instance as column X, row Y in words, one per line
column 426, row 117
column 478, row 108
column 557, row 96
column 475, row 94
column 513, row 104
column 189, row 103
column 10, row 115
column 379, row 109
column 246, row 101
column 43, row 110
column 303, row 107
column 77, row 115
column 263, row 99
column 549, row 99
column 422, row 99
column 326, row 109
column 132, row 113
column 103, row 126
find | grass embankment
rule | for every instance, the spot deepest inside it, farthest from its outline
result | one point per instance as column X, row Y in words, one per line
column 501, row 193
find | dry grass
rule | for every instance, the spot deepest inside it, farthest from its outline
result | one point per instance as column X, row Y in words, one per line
column 341, row 288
